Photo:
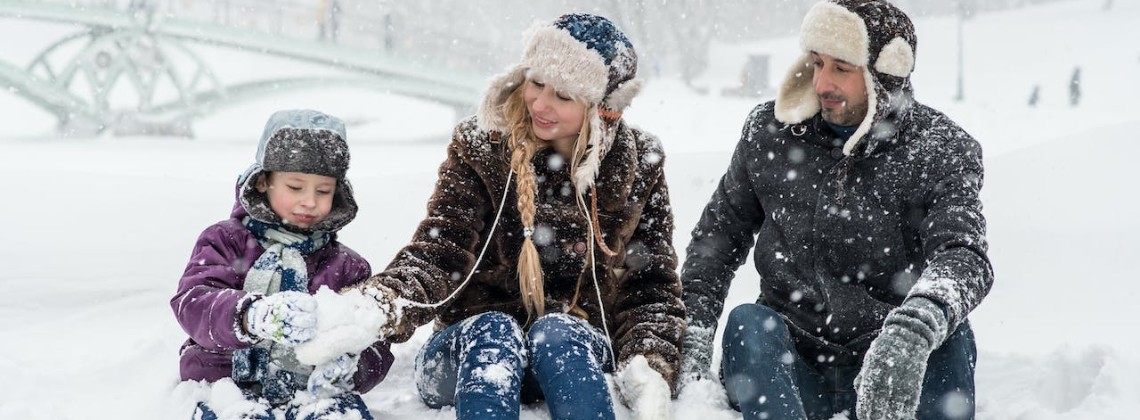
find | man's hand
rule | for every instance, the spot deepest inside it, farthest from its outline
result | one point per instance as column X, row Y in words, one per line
column 286, row 317
column 890, row 382
column 697, row 355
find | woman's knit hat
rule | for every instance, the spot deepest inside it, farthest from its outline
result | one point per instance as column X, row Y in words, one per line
column 873, row 34
column 585, row 57
column 303, row 141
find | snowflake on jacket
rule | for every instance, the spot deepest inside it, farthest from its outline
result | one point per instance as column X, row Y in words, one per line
column 639, row 285
column 843, row 232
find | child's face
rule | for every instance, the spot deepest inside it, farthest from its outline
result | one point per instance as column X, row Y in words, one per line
column 299, row 199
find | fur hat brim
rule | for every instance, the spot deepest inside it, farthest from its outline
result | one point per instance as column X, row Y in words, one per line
column 556, row 58
column 256, row 203
column 832, row 29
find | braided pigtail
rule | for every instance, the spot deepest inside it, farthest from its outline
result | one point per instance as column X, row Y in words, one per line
column 523, row 147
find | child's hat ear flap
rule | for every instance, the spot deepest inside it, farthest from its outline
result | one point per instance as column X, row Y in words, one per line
column 261, row 181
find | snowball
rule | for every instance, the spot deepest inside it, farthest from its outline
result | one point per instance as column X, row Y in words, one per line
column 346, row 323
column 646, row 391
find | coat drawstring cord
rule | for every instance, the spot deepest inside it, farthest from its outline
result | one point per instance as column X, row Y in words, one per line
column 841, row 179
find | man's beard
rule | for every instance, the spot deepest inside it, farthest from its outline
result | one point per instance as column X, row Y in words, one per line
column 846, row 115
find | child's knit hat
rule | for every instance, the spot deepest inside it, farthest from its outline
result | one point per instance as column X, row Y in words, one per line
column 585, row 57
column 301, row 141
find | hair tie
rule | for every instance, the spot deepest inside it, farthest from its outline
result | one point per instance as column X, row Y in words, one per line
column 609, row 115
column 528, row 232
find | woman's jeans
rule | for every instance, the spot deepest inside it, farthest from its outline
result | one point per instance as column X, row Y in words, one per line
column 767, row 379
column 486, row 366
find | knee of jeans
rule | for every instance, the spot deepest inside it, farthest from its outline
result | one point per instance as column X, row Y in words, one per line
column 752, row 314
column 554, row 330
column 758, row 321
column 498, row 326
column 558, row 331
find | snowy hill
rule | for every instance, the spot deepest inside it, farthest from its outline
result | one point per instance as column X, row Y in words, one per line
column 99, row 229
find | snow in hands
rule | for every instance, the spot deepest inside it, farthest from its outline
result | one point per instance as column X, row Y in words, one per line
column 347, row 322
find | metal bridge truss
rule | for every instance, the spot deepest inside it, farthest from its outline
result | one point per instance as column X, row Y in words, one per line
column 130, row 75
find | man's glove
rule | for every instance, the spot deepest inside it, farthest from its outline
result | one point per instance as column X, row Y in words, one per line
column 333, row 377
column 697, row 355
column 286, row 317
column 644, row 390
column 890, row 382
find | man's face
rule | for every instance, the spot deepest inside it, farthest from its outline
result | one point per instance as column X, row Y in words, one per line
column 841, row 88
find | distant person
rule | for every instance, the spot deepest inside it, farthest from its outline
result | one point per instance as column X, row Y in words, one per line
column 1034, row 95
column 1075, row 87
column 328, row 19
column 551, row 224
column 221, row 11
column 245, row 298
column 860, row 206
column 142, row 9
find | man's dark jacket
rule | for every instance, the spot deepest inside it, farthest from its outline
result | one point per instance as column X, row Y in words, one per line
column 840, row 240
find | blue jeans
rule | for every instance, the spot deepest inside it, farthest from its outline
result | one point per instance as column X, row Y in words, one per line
column 343, row 404
column 485, row 367
column 766, row 378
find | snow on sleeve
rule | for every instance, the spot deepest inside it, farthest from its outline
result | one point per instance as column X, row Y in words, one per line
column 346, row 323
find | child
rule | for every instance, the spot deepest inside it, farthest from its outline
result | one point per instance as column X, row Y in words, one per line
column 245, row 298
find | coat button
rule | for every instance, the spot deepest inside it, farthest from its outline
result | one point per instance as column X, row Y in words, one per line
column 580, row 247
column 837, row 153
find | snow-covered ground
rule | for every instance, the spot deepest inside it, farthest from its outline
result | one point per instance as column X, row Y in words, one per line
column 99, row 228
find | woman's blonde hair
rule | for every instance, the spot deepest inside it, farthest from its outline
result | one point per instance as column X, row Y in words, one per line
column 522, row 145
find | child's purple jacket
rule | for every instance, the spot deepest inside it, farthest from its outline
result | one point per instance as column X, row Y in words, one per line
column 210, row 300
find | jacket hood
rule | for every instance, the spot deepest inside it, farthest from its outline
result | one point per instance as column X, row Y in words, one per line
column 872, row 34
column 301, row 141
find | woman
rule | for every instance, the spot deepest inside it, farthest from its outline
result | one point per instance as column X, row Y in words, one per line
column 539, row 296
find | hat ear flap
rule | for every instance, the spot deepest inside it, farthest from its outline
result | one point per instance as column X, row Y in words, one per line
column 896, row 58
column 623, row 95
column 796, row 100
column 490, row 114
column 587, row 171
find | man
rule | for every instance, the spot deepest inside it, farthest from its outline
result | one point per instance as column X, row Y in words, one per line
column 869, row 238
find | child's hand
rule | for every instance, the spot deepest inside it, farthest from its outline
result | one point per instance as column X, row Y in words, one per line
column 287, row 317
column 333, row 377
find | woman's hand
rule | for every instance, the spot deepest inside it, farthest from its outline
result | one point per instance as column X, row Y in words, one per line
column 392, row 305
column 644, row 390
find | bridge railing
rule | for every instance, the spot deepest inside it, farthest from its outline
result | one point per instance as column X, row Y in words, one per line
column 123, row 32
column 362, row 25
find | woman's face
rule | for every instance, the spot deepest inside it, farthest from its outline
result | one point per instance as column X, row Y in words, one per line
column 554, row 116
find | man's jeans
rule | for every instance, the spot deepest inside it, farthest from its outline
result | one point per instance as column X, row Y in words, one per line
column 767, row 379
column 485, row 366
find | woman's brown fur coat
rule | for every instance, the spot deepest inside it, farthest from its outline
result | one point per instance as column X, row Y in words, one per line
column 639, row 285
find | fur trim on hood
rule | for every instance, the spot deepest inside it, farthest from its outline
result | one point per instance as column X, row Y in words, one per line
column 585, row 57
column 872, row 34
column 301, row 141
